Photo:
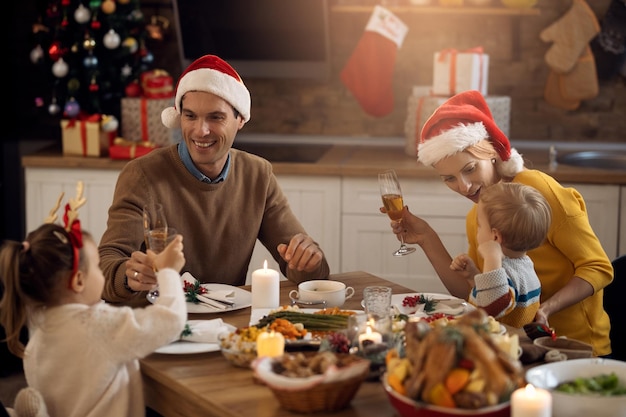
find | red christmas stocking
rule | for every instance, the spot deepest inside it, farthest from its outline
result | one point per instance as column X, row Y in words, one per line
column 369, row 70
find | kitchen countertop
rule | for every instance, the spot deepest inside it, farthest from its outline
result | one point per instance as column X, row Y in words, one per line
column 364, row 157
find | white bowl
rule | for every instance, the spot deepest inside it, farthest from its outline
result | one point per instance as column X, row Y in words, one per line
column 550, row 375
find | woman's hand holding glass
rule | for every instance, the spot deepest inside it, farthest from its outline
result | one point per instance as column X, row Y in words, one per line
column 391, row 194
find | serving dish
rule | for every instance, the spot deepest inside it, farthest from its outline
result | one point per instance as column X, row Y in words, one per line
column 550, row 375
column 181, row 347
column 446, row 304
column 407, row 407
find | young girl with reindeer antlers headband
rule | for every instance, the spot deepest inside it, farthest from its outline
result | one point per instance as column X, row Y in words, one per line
column 53, row 284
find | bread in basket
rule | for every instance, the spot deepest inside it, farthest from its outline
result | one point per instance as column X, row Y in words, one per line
column 313, row 381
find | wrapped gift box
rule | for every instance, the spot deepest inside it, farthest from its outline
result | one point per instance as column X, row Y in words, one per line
column 456, row 71
column 84, row 137
column 141, row 120
column 125, row 149
column 156, row 83
column 420, row 108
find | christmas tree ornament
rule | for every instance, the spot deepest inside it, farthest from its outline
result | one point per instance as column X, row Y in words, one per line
column 136, row 15
column 109, row 123
column 148, row 58
column 82, row 14
column 73, row 85
column 93, row 86
column 126, row 71
column 90, row 61
column 95, row 23
column 72, row 108
column 131, row 44
column 65, row 3
column 56, row 51
column 36, row 55
column 54, row 108
column 60, row 68
column 158, row 27
column 108, row 7
column 89, row 43
column 94, row 4
column 133, row 89
column 123, row 1
column 75, row 48
column 38, row 102
column 111, row 39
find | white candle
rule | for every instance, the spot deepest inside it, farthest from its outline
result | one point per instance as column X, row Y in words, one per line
column 531, row 402
column 265, row 288
column 370, row 336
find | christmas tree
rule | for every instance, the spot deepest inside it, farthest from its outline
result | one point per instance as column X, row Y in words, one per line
column 88, row 55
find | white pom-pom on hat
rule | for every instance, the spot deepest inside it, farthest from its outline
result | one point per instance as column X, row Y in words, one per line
column 460, row 122
column 211, row 74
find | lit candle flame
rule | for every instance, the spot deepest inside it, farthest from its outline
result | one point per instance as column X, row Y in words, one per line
column 265, row 265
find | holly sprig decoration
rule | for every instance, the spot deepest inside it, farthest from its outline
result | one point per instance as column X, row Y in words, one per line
column 413, row 300
column 186, row 331
column 192, row 289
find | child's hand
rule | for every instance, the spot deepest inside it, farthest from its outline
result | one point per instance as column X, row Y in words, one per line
column 171, row 257
column 463, row 263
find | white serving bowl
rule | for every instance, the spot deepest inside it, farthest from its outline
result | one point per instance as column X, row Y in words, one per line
column 550, row 375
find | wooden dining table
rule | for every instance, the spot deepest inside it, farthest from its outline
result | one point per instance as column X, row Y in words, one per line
column 206, row 384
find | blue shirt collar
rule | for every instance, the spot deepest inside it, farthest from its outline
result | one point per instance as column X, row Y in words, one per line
column 185, row 157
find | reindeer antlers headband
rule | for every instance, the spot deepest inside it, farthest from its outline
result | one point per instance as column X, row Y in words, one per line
column 71, row 222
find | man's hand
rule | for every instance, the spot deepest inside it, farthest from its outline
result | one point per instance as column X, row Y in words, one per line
column 302, row 254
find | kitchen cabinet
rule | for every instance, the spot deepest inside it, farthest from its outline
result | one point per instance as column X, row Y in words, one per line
column 44, row 185
column 316, row 201
column 603, row 208
column 367, row 239
column 341, row 212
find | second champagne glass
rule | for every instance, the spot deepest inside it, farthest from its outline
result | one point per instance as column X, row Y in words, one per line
column 154, row 228
column 391, row 194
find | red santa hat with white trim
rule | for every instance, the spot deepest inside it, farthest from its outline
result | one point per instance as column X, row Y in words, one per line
column 211, row 74
column 460, row 122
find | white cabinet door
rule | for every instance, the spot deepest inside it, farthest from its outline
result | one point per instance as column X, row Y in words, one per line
column 316, row 201
column 602, row 203
column 44, row 185
column 367, row 240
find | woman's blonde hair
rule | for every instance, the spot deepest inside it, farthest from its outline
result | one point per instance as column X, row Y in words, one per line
column 519, row 212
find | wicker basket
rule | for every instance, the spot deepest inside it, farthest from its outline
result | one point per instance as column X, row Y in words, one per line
column 331, row 396
column 320, row 392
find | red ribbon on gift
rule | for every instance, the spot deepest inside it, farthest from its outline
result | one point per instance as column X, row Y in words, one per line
column 83, row 119
column 453, row 52
column 143, row 110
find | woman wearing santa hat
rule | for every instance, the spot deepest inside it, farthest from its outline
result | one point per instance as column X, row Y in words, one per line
column 464, row 145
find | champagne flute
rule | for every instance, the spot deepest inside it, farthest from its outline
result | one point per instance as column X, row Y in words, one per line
column 392, row 200
column 155, row 235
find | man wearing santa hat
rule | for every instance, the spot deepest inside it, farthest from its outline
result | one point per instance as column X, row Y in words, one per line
column 219, row 198
column 464, row 145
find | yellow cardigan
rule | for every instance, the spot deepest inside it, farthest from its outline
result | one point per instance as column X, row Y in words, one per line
column 571, row 248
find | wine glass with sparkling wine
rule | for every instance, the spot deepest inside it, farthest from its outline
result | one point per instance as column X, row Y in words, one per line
column 155, row 235
column 392, row 200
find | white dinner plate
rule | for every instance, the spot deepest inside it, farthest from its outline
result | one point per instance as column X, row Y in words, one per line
column 183, row 348
column 242, row 299
column 448, row 304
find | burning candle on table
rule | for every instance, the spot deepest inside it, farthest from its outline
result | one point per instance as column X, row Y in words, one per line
column 270, row 344
column 265, row 288
column 531, row 402
column 369, row 337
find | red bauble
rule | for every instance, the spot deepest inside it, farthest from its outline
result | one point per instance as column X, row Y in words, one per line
column 133, row 89
column 96, row 24
column 65, row 2
column 55, row 51
column 93, row 87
